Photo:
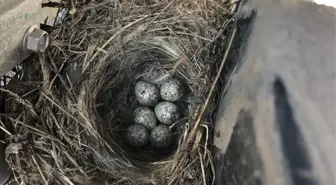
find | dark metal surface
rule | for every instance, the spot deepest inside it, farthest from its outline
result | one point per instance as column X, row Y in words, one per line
column 241, row 163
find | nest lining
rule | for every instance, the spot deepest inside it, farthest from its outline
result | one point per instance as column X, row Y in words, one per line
column 65, row 110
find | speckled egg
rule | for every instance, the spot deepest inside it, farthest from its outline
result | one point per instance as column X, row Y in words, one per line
column 172, row 90
column 147, row 94
column 156, row 75
column 167, row 112
column 161, row 137
column 137, row 136
column 146, row 117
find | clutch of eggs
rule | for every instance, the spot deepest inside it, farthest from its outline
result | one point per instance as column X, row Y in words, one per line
column 146, row 128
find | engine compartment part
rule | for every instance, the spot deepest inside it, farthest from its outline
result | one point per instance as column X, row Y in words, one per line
column 16, row 17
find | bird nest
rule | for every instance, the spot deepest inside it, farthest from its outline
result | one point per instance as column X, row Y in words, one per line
column 64, row 112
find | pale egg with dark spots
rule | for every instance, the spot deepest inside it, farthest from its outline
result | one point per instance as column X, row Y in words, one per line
column 167, row 112
column 146, row 117
column 172, row 90
column 156, row 75
column 161, row 137
column 147, row 94
column 137, row 136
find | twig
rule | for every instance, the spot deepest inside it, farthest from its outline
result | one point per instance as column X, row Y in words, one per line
column 206, row 138
column 73, row 9
column 24, row 102
column 213, row 170
column 202, row 168
column 5, row 130
column 66, row 179
column 128, row 26
column 115, row 35
column 40, row 170
column 37, row 131
column 2, row 127
column 60, row 107
column 46, row 80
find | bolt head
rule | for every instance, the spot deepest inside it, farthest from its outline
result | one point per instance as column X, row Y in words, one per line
column 37, row 40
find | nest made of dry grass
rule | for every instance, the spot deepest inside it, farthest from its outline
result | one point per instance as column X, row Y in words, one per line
column 64, row 111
